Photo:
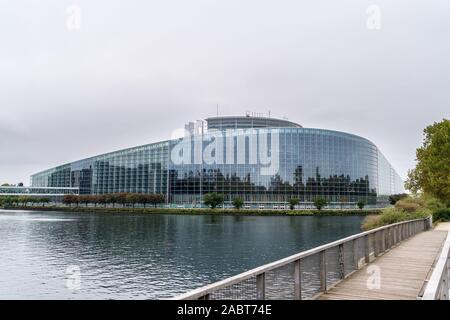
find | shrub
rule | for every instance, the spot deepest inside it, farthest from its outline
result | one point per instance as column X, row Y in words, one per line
column 434, row 204
column 411, row 204
column 293, row 202
column 390, row 216
column 408, row 208
column 361, row 204
column 441, row 215
column 238, row 203
column 319, row 203
column 213, row 199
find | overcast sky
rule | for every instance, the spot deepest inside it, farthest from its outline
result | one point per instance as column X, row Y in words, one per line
column 137, row 70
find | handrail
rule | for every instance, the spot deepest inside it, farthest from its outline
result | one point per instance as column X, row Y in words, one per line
column 438, row 286
column 204, row 292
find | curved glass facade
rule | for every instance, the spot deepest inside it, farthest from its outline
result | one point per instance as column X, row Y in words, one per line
column 226, row 123
column 266, row 167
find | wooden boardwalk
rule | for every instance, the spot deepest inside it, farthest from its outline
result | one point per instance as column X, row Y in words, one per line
column 402, row 272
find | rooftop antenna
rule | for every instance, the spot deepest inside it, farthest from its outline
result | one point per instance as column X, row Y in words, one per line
column 269, row 113
column 217, row 109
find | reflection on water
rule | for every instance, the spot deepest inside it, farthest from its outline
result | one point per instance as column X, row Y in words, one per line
column 138, row 256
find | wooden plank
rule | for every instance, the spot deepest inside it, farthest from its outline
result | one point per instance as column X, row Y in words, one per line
column 402, row 270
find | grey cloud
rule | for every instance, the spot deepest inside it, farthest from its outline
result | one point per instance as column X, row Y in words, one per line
column 137, row 70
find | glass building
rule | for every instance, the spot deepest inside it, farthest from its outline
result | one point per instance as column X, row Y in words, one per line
column 265, row 161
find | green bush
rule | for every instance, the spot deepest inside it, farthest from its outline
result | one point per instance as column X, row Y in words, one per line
column 238, row 203
column 434, row 204
column 319, row 203
column 441, row 215
column 392, row 215
column 408, row 208
column 361, row 204
column 293, row 202
column 213, row 200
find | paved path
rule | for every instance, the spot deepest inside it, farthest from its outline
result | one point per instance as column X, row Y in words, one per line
column 443, row 226
column 402, row 271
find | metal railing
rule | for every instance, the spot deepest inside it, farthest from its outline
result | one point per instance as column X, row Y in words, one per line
column 438, row 287
column 309, row 273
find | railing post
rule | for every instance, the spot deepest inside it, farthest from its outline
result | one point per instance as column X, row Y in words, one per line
column 394, row 235
column 298, row 280
column 388, row 239
column 376, row 243
column 383, row 240
column 355, row 254
column 341, row 262
column 261, row 286
column 367, row 248
column 402, row 232
column 397, row 234
column 323, row 271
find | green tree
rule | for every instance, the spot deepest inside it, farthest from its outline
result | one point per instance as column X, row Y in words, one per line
column 24, row 200
column 319, row 203
column 293, row 202
column 213, row 199
column 432, row 172
column 361, row 204
column 238, row 203
column 43, row 200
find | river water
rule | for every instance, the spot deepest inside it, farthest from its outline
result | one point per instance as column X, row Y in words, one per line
column 56, row 255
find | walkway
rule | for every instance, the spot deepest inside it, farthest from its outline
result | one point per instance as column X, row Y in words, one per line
column 402, row 271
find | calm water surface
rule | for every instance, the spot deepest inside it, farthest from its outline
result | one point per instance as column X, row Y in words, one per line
column 137, row 256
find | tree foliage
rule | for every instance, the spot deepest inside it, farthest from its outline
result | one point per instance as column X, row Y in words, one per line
column 432, row 172
column 293, row 202
column 213, row 199
column 361, row 204
column 319, row 203
column 113, row 198
column 238, row 203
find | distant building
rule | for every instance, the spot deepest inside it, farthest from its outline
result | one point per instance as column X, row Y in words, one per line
column 265, row 161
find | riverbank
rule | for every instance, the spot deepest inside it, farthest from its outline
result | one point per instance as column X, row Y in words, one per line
column 198, row 211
